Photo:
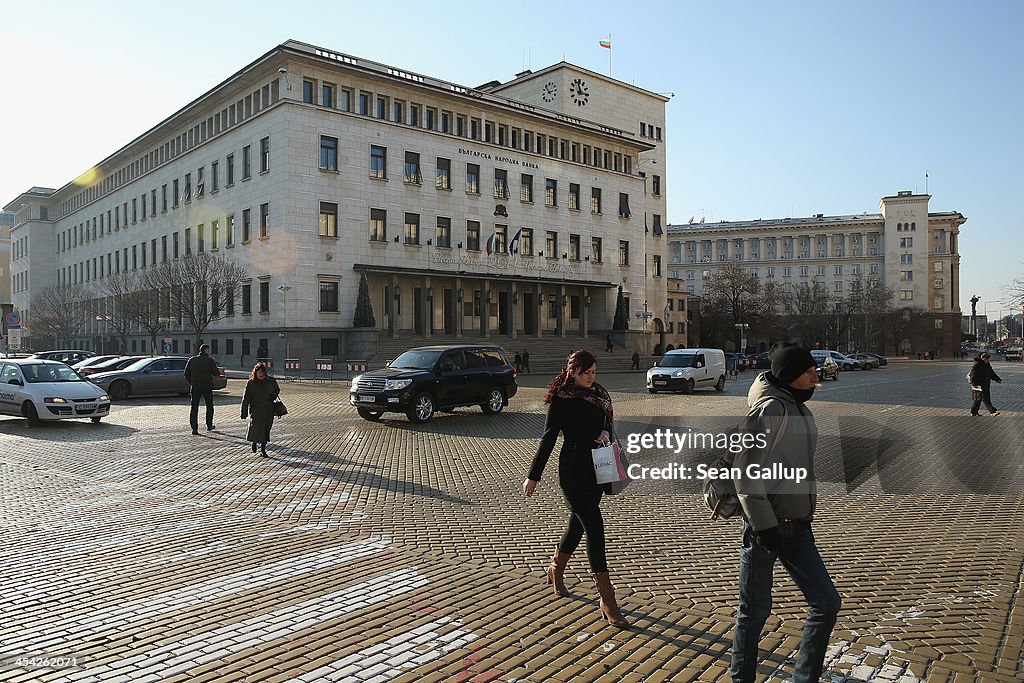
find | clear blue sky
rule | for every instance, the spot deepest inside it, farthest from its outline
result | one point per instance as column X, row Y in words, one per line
column 781, row 109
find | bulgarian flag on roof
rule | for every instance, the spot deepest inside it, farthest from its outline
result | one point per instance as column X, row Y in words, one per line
column 605, row 43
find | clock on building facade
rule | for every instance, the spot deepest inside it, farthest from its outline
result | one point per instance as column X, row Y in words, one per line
column 550, row 91
column 579, row 92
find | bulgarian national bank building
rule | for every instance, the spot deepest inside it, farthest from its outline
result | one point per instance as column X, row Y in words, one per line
column 509, row 210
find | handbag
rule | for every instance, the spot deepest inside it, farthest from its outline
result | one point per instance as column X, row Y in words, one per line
column 613, row 472
column 279, row 408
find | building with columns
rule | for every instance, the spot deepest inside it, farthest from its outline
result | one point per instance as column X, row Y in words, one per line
column 512, row 209
column 906, row 247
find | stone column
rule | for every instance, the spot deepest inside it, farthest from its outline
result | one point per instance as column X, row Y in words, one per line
column 457, row 301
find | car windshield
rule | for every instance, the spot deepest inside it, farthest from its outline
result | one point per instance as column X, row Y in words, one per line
column 37, row 373
column 678, row 360
column 416, row 360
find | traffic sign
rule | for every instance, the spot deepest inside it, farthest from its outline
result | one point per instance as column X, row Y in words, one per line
column 12, row 319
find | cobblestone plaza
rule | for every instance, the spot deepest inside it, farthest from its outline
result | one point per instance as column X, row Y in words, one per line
column 398, row 552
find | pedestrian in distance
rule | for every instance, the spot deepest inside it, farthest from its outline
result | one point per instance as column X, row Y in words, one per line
column 777, row 517
column 199, row 373
column 518, row 361
column 261, row 352
column 636, row 361
column 608, row 346
column 580, row 410
column 258, row 406
column 980, row 378
column 526, row 361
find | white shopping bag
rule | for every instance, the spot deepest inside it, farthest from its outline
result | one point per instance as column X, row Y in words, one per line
column 608, row 467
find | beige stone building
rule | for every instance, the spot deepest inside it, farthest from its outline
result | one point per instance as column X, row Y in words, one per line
column 906, row 247
column 509, row 210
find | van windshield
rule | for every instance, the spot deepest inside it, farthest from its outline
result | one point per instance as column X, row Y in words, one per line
column 416, row 360
column 678, row 360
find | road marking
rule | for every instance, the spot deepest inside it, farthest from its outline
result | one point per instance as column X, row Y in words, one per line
column 396, row 655
column 123, row 614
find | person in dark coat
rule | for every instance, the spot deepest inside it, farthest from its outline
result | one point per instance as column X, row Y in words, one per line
column 608, row 346
column 526, row 361
column 636, row 361
column 518, row 362
column 580, row 410
column 199, row 373
column 258, row 402
column 980, row 377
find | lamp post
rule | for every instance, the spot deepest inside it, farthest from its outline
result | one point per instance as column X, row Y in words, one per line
column 742, row 329
column 645, row 315
column 287, row 340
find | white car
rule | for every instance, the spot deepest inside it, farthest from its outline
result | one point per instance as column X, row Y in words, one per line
column 41, row 390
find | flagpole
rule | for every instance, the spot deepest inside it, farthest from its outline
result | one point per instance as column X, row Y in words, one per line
column 609, row 55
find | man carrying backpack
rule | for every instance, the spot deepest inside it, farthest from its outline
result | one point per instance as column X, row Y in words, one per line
column 777, row 516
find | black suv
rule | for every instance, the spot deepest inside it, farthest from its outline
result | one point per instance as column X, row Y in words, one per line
column 431, row 378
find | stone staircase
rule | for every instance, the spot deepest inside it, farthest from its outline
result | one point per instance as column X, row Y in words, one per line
column 547, row 354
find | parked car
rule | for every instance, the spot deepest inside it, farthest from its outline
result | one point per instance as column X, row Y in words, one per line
column 426, row 379
column 150, row 376
column 870, row 360
column 762, row 361
column 115, row 363
column 91, row 361
column 882, row 360
column 688, row 369
column 827, row 367
column 844, row 362
column 66, row 356
column 1011, row 354
column 41, row 390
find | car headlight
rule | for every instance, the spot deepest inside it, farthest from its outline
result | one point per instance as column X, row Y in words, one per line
column 53, row 399
column 394, row 384
column 677, row 373
column 104, row 397
column 354, row 382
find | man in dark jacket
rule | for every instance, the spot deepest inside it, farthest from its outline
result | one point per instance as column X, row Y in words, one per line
column 777, row 515
column 980, row 377
column 199, row 373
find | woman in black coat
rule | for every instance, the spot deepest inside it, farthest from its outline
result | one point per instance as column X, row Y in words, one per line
column 581, row 410
column 258, row 401
column 980, row 378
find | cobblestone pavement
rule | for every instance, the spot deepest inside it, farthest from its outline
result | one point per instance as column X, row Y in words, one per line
column 399, row 552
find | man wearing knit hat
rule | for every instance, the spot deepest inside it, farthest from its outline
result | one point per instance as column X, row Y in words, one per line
column 777, row 515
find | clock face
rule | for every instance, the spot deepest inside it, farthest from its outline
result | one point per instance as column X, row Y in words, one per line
column 550, row 91
column 580, row 93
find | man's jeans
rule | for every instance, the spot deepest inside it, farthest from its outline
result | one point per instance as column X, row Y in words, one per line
column 800, row 557
column 198, row 393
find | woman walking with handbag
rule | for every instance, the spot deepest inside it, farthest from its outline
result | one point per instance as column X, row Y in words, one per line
column 261, row 392
column 581, row 410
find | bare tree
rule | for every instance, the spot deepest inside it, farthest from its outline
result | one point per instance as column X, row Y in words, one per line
column 199, row 288
column 735, row 295
column 812, row 306
column 119, row 303
column 870, row 303
column 58, row 313
column 904, row 322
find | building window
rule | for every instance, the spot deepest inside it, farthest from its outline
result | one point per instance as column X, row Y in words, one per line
column 378, row 225
column 500, row 183
column 550, row 192
column 264, row 297
column 246, row 299
column 473, row 235
column 329, row 297
column 200, row 237
column 906, row 295
column 246, row 225
column 595, row 249
column 200, row 187
column 624, row 205
column 264, row 220
column 472, row 179
column 623, row 253
column 214, row 235
column 328, row 219
column 574, row 197
column 265, row 155
column 443, row 233
column 398, row 115
column 526, row 188
column 327, row 95
column 307, row 92
column 378, row 162
column 412, row 168
column 839, row 286
column 906, row 275
column 444, row 174
column 414, row 115
column 574, row 247
column 246, row 162
column 551, row 244
column 595, row 200
column 229, row 232
column 328, row 153
column 214, row 180
column 656, row 185
column 230, row 163
column 526, row 242
column 500, row 244
column 412, row 228
column 382, row 108
column 656, row 265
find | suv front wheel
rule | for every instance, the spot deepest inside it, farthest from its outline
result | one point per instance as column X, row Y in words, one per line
column 495, row 401
column 422, row 408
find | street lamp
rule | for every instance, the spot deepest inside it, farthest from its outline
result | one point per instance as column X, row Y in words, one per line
column 287, row 340
column 742, row 328
column 645, row 315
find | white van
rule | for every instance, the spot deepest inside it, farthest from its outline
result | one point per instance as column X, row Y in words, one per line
column 688, row 369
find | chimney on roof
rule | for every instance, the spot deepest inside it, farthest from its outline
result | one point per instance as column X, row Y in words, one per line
column 524, row 73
